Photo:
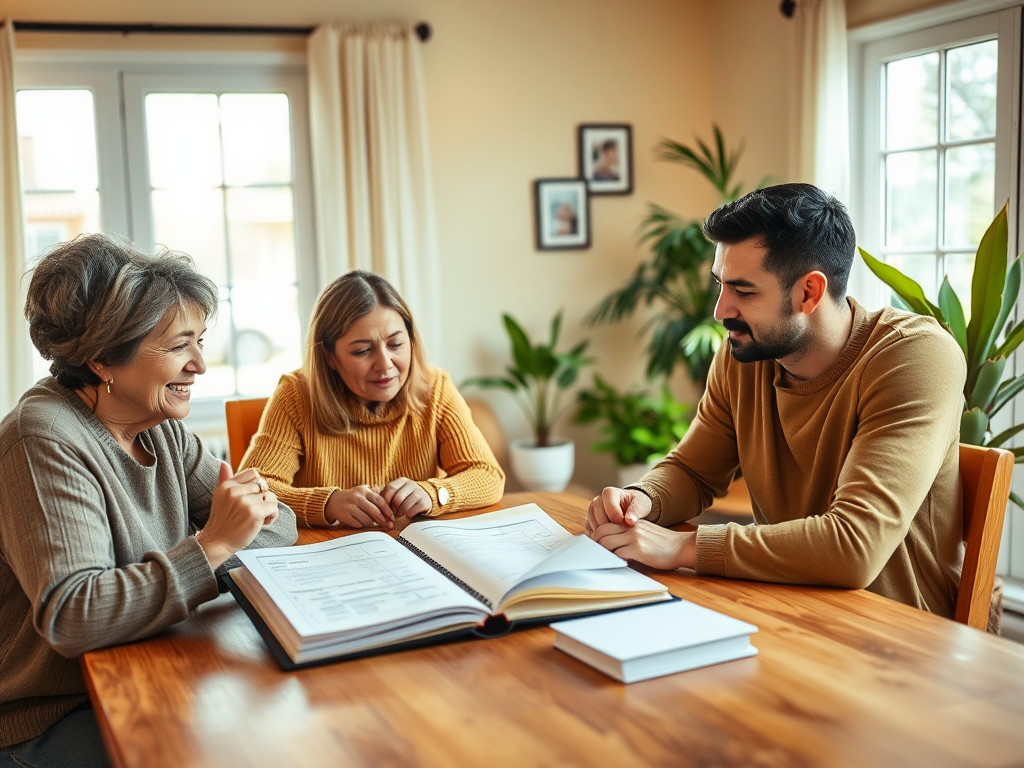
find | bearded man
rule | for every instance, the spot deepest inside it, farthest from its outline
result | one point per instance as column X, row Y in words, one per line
column 845, row 424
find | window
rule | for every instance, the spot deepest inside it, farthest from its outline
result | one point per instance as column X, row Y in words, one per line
column 939, row 123
column 215, row 165
column 935, row 157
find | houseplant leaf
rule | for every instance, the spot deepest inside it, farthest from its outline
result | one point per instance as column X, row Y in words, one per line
column 1011, row 289
column 973, row 424
column 986, row 293
column 906, row 288
column 522, row 350
column 556, row 327
column 491, row 382
column 986, row 384
column 953, row 311
column 1006, row 392
column 1005, row 435
column 1013, row 339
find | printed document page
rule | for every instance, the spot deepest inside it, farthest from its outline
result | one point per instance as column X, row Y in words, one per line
column 357, row 581
column 495, row 551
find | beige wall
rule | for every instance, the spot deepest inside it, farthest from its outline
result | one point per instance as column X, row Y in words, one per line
column 860, row 12
column 508, row 84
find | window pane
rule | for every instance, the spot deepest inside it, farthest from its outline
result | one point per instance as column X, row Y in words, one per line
column 911, row 185
column 262, row 236
column 919, row 267
column 971, row 91
column 239, row 229
column 57, row 140
column 183, row 136
column 266, row 335
column 970, row 193
column 912, row 101
column 193, row 221
column 959, row 270
column 53, row 217
column 257, row 138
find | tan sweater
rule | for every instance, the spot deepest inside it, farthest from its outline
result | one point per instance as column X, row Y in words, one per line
column 439, row 447
column 853, row 476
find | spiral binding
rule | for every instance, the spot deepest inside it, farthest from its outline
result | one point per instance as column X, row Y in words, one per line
column 444, row 571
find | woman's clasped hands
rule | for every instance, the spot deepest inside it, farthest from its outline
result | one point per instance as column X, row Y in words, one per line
column 242, row 504
column 379, row 507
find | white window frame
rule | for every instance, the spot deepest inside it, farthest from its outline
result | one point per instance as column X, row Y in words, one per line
column 118, row 81
column 869, row 47
column 866, row 145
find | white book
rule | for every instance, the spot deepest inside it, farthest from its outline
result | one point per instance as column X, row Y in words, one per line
column 655, row 640
column 473, row 576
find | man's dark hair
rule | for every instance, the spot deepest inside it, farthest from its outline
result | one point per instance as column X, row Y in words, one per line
column 801, row 228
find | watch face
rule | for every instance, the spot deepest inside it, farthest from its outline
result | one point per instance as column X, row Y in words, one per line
column 442, row 496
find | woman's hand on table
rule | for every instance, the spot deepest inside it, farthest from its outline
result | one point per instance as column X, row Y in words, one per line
column 406, row 498
column 359, row 507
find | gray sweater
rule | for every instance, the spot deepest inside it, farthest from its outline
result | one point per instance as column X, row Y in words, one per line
column 95, row 549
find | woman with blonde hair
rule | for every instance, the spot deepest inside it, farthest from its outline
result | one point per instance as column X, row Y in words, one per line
column 367, row 432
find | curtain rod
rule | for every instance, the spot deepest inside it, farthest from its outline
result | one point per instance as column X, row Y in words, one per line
column 423, row 30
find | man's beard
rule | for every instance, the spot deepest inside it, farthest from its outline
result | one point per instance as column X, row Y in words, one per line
column 772, row 344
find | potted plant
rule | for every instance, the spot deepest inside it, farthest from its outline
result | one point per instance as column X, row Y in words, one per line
column 676, row 279
column 539, row 379
column 638, row 429
column 995, row 286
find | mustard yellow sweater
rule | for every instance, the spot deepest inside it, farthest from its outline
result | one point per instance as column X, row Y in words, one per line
column 853, row 476
column 439, row 447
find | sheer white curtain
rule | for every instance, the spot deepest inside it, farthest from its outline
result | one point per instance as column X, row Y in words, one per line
column 371, row 166
column 16, row 373
column 824, row 125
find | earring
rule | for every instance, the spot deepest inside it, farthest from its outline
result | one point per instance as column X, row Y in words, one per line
column 109, row 382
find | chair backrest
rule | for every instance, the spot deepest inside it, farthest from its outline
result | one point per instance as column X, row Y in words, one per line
column 985, row 475
column 243, row 417
column 487, row 421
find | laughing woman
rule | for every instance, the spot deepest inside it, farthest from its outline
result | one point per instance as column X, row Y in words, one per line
column 103, row 488
column 366, row 432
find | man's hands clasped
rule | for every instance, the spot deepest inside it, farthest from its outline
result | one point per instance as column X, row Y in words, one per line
column 616, row 520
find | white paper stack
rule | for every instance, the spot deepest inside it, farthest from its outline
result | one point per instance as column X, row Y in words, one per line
column 656, row 640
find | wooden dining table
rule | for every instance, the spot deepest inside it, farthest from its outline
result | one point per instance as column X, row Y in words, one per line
column 841, row 678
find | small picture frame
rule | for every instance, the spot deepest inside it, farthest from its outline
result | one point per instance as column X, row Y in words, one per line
column 563, row 214
column 606, row 158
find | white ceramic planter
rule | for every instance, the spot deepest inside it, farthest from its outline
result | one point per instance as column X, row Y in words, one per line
column 542, row 469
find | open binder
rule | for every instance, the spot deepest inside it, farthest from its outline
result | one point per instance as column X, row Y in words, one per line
column 442, row 580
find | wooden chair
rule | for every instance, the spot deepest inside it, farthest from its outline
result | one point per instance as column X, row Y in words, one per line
column 985, row 475
column 243, row 417
column 487, row 421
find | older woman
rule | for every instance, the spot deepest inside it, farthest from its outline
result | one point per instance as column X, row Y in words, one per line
column 103, row 487
column 366, row 432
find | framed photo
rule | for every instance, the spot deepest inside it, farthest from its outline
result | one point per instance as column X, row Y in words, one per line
column 563, row 214
column 606, row 158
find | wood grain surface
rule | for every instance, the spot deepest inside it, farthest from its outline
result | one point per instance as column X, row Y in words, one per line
column 842, row 678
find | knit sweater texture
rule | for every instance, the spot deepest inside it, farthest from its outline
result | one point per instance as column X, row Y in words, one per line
column 853, row 475
column 437, row 447
column 95, row 549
